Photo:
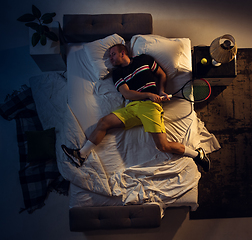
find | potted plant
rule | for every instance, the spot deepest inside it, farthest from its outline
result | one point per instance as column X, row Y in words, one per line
column 37, row 22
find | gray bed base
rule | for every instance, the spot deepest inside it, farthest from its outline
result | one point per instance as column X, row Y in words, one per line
column 86, row 28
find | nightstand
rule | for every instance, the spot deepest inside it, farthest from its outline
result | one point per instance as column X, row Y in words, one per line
column 50, row 57
column 222, row 75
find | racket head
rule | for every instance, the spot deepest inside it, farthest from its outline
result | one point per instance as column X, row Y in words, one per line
column 197, row 90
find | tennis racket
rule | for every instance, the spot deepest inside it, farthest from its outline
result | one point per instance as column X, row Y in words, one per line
column 197, row 90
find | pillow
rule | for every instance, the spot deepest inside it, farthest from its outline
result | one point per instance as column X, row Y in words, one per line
column 166, row 51
column 41, row 145
column 98, row 54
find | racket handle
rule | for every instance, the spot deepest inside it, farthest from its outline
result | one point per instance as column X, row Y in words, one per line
column 169, row 96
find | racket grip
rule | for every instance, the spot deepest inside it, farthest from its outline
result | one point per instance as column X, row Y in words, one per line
column 169, row 96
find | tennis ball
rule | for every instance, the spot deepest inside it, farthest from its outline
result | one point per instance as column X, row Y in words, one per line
column 203, row 61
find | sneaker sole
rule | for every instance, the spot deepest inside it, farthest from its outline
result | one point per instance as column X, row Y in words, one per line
column 69, row 155
column 207, row 159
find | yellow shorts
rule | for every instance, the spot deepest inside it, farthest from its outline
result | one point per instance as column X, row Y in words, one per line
column 146, row 113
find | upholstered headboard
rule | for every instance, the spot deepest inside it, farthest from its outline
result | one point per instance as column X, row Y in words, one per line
column 87, row 28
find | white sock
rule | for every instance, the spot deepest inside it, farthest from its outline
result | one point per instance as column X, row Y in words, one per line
column 190, row 152
column 86, row 149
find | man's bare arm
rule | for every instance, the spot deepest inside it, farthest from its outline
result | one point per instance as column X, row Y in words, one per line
column 161, row 82
column 134, row 95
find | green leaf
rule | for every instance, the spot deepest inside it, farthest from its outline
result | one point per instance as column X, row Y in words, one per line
column 46, row 29
column 36, row 12
column 48, row 17
column 52, row 36
column 47, row 21
column 43, row 40
column 35, row 39
column 26, row 18
column 33, row 25
column 41, row 29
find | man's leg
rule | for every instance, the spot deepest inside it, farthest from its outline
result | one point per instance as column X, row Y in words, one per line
column 104, row 124
column 198, row 155
column 163, row 145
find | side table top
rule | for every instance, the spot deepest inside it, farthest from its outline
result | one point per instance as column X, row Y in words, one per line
column 225, row 70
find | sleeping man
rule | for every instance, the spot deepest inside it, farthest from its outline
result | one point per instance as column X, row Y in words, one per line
column 142, row 81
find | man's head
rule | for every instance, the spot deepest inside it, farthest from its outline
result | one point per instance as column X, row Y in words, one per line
column 119, row 55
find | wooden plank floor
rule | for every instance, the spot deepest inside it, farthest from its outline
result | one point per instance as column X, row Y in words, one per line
column 226, row 191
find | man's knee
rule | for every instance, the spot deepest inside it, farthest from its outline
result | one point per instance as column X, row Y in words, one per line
column 103, row 123
column 169, row 147
column 161, row 142
column 109, row 121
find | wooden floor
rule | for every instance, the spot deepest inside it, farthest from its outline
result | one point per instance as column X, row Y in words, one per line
column 226, row 191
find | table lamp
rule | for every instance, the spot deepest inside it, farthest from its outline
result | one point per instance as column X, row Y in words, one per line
column 223, row 49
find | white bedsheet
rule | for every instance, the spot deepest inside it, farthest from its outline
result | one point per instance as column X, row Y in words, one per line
column 126, row 168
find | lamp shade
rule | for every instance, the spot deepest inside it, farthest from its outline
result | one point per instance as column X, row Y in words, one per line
column 223, row 49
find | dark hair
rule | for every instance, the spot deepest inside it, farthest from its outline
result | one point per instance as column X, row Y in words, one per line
column 121, row 47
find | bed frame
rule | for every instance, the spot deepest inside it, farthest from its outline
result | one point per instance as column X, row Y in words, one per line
column 86, row 28
column 111, row 217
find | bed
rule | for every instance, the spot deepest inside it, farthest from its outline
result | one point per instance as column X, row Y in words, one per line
column 125, row 170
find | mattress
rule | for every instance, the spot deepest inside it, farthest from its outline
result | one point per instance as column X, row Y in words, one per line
column 126, row 168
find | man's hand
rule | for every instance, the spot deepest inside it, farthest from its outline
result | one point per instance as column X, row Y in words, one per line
column 134, row 95
column 158, row 98
column 164, row 96
column 154, row 97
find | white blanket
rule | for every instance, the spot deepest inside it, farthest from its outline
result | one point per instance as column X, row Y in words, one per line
column 132, row 172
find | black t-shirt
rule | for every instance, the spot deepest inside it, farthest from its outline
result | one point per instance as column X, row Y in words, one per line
column 138, row 75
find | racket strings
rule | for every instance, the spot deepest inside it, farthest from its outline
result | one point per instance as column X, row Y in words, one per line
column 197, row 90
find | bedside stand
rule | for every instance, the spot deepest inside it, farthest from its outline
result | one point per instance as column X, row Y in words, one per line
column 222, row 75
column 50, row 57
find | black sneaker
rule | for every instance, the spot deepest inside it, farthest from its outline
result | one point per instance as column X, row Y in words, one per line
column 74, row 155
column 202, row 159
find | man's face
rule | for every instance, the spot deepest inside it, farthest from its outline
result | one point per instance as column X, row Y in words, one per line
column 115, row 56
